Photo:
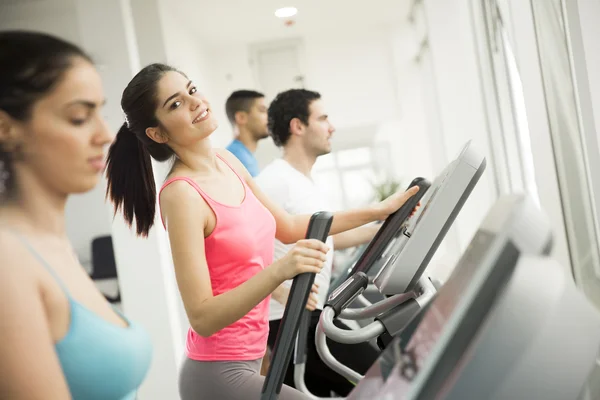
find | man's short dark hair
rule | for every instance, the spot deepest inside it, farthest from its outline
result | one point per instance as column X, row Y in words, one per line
column 240, row 100
column 293, row 103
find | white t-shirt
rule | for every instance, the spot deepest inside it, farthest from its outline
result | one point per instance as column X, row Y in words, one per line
column 297, row 194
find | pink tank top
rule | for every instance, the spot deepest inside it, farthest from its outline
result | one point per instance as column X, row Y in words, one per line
column 240, row 246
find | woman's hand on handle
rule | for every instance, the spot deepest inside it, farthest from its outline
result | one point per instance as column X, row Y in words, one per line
column 307, row 255
column 282, row 294
column 311, row 304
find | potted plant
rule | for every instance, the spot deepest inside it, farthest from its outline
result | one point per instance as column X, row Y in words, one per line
column 385, row 188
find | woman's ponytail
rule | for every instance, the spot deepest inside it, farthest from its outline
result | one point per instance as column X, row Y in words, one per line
column 131, row 186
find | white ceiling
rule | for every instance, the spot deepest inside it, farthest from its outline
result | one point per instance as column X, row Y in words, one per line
column 229, row 21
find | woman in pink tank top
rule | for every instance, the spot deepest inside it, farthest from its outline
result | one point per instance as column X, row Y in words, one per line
column 221, row 229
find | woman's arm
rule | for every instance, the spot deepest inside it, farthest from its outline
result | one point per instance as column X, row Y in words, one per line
column 280, row 294
column 185, row 215
column 291, row 228
column 355, row 237
column 30, row 367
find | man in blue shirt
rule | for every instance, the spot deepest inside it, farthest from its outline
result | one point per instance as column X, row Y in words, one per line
column 247, row 112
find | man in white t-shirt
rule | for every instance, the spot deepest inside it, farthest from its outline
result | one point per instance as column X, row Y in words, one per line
column 298, row 123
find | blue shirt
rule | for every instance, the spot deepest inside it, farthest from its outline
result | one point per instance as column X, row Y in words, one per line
column 99, row 359
column 245, row 156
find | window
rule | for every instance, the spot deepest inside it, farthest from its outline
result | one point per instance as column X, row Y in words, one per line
column 572, row 157
column 354, row 157
column 513, row 148
column 348, row 176
column 521, row 129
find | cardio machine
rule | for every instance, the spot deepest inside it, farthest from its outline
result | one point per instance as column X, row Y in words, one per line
column 295, row 317
column 442, row 203
column 400, row 270
column 497, row 328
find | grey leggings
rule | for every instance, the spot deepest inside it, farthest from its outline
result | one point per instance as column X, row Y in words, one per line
column 226, row 380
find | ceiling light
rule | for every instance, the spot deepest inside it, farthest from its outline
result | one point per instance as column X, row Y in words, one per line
column 286, row 12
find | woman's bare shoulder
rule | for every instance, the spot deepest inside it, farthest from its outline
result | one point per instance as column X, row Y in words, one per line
column 234, row 162
column 17, row 266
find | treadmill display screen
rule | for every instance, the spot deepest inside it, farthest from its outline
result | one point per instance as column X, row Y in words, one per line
column 416, row 352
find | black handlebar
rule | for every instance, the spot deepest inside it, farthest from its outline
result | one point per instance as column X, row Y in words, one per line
column 347, row 292
column 390, row 228
column 302, row 338
column 318, row 228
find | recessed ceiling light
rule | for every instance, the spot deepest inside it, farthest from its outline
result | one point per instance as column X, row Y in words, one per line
column 286, row 12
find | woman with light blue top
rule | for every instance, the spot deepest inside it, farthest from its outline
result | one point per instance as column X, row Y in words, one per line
column 59, row 337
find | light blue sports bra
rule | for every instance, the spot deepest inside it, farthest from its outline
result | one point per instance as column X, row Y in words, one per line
column 100, row 360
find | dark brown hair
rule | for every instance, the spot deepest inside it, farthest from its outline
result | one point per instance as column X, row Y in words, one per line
column 131, row 186
column 240, row 100
column 293, row 103
column 31, row 65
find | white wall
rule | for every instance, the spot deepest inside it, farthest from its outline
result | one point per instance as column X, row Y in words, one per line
column 414, row 134
column 185, row 51
column 410, row 134
column 353, row 71
column 460, row 100
column 50, row 16
column 230, row 71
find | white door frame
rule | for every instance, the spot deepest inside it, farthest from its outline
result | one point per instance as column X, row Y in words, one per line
column 254, row 51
